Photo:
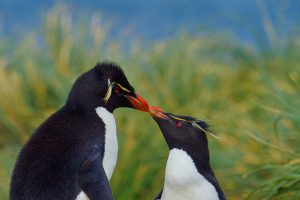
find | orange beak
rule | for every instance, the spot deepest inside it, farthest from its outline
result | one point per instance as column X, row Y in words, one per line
column 157, row 112
column 139, row 103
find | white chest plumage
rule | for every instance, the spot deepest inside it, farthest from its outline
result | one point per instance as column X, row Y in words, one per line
column 183, row 181
column 111, row 145
column 82, row 196
column 111, row 141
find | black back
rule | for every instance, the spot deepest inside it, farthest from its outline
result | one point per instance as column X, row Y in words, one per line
column 48, row 165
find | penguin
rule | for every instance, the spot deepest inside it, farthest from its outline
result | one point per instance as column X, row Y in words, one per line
column 72, row 155
column 188, row 174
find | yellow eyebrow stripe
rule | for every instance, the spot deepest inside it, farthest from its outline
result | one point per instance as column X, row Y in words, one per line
column 177, row 118
column 123, row 88
column 108, row 93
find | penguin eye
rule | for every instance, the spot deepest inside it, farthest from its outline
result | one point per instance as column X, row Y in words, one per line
column 117, row 90
column 178, row 124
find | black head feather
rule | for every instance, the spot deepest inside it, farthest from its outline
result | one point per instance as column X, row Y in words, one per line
column 203, row 125
column 109, row 69
column 90, row 88
column 112, row 71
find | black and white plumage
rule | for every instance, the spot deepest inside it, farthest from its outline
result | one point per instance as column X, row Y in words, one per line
column 72, row 154
column 188, row 172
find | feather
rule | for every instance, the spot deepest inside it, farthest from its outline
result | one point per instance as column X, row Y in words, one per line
column 194, row 123
column 109, row 91
column 122, row 88
column 178, row 118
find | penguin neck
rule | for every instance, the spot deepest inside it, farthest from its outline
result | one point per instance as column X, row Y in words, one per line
column 201, row 159
column 111, row 141
column 183, row 179
column 85, row 109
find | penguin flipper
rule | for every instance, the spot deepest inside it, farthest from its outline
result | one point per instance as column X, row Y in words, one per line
column 92, row 178
column 158, row 196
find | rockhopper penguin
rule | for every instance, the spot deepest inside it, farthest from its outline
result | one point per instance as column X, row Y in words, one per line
column 188, row 174
column 72, row 155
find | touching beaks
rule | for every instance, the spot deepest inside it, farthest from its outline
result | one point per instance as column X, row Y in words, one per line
column 141, row 104
column 138, row 102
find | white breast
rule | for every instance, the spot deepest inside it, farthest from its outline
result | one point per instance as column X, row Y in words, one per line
column 82, row 196
column 111, row 141
column 183, row 181
column 111, row 145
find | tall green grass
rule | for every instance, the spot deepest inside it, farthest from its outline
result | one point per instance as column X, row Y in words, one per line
column 250, row 96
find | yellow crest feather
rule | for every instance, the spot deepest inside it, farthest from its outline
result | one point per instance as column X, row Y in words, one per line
column 123, row 88
column 109, row 91
column 205, row 131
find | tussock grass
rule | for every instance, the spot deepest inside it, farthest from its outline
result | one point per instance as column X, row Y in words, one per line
column 250, row 96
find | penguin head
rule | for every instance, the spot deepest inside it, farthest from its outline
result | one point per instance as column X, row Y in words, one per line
column 105, row 85
column 184, row 132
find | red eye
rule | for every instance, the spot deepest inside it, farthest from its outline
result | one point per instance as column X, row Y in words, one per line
column 178, row 124
column 117, row 90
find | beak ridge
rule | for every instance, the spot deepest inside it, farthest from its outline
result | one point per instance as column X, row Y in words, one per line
column 138, row 102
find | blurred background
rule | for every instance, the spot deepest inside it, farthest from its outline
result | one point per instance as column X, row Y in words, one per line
column 233, row 63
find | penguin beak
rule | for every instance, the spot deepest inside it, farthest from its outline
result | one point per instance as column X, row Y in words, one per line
column 141, row 104
column 138, row 102
column 157, row 112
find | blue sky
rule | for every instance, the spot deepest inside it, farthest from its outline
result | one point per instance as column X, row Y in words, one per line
column 162, row 19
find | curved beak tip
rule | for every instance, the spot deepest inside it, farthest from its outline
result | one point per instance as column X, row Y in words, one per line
column 139, row 103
